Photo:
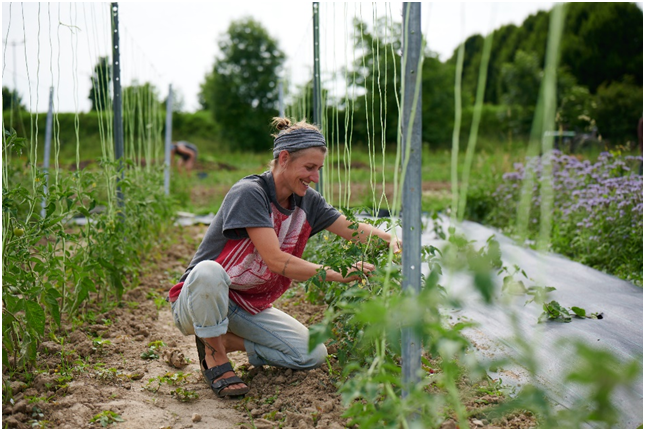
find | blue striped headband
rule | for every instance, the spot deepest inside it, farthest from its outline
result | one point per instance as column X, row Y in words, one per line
column 297, row 139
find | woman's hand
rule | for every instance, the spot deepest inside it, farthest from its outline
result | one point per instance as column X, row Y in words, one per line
column 363, row 269
column 395, row 245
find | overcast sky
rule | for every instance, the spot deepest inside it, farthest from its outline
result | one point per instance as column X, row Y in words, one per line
column 57, row 44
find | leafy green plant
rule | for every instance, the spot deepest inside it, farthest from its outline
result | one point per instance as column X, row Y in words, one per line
column 493, row 387
column 153, row 349
column 554, row 311
column 158, row 299
column 184, row 395
column 365, row 321
column 173, row 379
column 271, row 399
column 51, row 270
column 98, row 343
column 106, row 417
column 107, row 374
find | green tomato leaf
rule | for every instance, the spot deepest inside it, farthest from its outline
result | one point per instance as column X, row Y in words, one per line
column 35, row 316
column 580, row 312
column 318, row 333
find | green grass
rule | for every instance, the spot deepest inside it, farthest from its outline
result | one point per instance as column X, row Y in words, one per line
column 217, row 171
column 205, row 189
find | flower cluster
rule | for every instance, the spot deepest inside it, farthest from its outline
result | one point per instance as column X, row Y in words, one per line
column 597, row 210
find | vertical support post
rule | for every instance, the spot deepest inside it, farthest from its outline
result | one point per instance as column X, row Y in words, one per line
column 118, row 102
column 317, row 96
column 411, row 211
column 168, row 140
column 48, row 148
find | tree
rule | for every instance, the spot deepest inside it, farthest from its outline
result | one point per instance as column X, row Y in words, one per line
column 375, row 116
column 620, row 105
column 377, row 72
column 603, row 42
column 521, row 80
column 520, row 89
column 12, row 104
column 11, row 99
column 438, row 101
column 100, row 90
column 242, row 91
column 576, row 105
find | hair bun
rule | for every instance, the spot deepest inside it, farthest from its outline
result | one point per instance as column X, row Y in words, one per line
column 281, row 123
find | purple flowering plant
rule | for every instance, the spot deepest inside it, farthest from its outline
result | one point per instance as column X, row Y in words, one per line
column 597, row 209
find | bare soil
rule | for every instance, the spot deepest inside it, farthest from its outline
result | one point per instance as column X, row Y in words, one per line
column 98, row 367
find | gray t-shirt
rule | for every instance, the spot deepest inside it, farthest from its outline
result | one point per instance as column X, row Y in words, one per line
column 252, row 202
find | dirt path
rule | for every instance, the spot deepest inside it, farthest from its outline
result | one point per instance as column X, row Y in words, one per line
column 98, row 367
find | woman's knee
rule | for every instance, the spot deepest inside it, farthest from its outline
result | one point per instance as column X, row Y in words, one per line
column 207, row 287
column 313, row 359
column 209, row 274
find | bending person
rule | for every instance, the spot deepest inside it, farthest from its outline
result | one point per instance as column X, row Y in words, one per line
column 250, row 254
column 187, row 152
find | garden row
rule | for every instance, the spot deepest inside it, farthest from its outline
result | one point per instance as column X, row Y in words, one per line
column 52, row 268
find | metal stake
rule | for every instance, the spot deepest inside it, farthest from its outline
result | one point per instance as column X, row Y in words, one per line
column 118, row 101
column 316, row 82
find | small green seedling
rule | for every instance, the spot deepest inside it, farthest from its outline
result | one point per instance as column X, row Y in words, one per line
column 106, row 417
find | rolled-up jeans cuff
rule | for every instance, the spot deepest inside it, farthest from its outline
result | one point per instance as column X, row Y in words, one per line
column 212, row 331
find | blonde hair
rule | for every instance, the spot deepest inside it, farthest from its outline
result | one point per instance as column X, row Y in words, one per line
column 285, row 125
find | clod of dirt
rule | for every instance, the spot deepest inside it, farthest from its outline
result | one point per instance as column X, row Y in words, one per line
column 196, row 417
column 175, row 358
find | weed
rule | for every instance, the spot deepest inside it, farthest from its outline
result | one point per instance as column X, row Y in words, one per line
column 158, row 298
column 132, row 305
column 40, row 424
column 330, row 369
column 184, row 395
column 106, row 417
column 153, row 349
column 176, row 379
column 493, row 387
column 98, row 343
column 35, row 399
column 315, row 416
column 108, row 374
column 80, row 365
column 157, row 344
column 150, row 353
column 272, row 398
column 244, row 405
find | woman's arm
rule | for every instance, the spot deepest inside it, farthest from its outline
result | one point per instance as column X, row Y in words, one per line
column 266, row 242
column 341, row 227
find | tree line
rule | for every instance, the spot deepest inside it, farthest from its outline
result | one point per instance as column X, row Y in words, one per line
column 599, row 88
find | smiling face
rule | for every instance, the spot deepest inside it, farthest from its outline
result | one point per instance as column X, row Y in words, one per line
column 298, row 170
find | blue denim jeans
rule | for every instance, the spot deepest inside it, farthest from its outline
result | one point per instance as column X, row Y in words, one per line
column 271, row 337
